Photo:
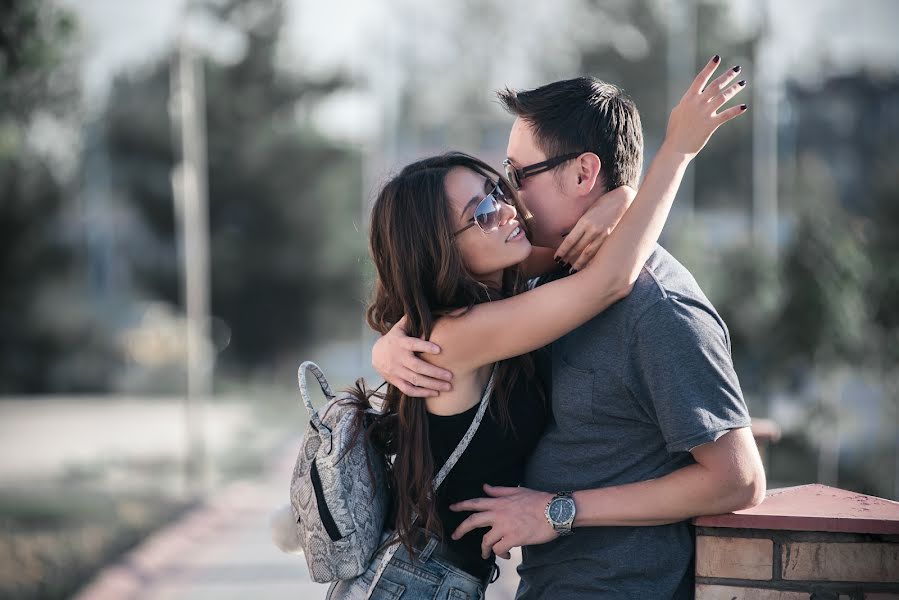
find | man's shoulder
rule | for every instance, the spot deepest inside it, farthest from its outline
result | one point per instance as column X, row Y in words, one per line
column 664, row 277
column 665, row 291
column 664, row 284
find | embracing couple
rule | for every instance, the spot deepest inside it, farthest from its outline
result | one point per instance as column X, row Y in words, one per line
column 616, row 414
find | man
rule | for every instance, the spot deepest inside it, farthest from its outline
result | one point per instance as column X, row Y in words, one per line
column 649, row 425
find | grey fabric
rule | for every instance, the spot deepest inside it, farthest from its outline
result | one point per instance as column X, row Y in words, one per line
column 633, row 390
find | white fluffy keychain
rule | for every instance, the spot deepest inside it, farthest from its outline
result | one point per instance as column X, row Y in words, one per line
column 285, row 532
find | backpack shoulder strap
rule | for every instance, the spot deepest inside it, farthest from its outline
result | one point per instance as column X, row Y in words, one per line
column 472, row 429
column 441, row 475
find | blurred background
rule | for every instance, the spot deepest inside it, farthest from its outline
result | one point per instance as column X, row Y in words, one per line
column 184, row 196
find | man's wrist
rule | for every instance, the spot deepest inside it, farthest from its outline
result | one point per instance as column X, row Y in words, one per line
column 578, row 498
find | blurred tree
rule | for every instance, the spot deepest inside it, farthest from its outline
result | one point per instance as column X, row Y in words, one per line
column 632, row 52
column 839, row 272
column 826, row 273
column 276, row 190
column 882, row 228
column 835, row 316
column 43, row 317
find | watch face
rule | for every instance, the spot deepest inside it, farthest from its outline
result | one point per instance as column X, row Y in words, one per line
column 561, row 510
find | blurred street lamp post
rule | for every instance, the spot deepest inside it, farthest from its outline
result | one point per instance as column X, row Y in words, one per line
column 764, row 138
column 191, row 209
column 681, row 64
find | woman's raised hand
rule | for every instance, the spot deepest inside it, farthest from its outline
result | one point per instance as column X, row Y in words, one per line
column 696, row 116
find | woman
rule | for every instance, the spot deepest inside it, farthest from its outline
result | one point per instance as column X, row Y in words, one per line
column 447, row 244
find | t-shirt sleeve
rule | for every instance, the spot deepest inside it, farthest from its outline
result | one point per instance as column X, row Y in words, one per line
column 683, row 373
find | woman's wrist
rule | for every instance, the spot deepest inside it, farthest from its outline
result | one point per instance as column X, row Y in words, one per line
column 669, row 150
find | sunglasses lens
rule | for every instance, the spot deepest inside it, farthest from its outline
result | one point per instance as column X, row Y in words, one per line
column 500, row 194
column 512, row 175
column 487, row 214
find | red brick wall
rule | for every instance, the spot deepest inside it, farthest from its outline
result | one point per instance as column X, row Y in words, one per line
column 733, row 563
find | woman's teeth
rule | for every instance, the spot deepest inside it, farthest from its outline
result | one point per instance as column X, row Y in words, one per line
column 515, row 232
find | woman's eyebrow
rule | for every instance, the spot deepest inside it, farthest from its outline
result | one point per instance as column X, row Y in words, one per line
column 473, row 202
column 488, row 187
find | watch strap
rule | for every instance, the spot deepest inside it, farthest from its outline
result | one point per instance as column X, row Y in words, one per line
column 565, row 527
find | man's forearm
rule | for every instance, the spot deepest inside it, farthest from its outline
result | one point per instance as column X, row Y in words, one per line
column 688, row 492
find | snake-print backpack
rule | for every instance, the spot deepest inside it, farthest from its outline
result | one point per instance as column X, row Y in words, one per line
column 339, row 494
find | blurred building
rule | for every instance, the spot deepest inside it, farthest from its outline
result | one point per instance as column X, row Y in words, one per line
column 851, row 122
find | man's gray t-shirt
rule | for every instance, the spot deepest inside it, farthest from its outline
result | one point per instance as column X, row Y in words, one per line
column 633, row 390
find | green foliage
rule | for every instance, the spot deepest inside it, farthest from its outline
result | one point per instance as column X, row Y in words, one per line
column 277, row 192
column 33, row 40
column 827, row 273
column 43, row 316
column 53, row 539
column 723, row 174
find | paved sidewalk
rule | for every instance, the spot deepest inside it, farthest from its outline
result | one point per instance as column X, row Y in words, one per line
column 223, row 550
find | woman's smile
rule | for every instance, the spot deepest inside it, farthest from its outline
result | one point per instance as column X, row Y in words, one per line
column 516, row 234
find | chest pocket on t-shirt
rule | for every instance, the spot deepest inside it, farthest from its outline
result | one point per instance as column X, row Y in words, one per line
column 572, row 394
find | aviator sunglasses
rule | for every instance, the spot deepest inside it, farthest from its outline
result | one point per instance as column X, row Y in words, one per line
column 487, row 213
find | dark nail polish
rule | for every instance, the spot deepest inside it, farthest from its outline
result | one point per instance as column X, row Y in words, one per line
column 572, row 271
column 737, row 69
column 742, row 83
column 743, row 107
column 716, row 58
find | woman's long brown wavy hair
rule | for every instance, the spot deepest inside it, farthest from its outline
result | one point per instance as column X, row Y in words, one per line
column 421, row 274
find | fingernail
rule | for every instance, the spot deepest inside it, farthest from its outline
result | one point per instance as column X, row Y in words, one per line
column 558, row 259
column 737, row 69
column 742, row 83
column 743, row 107
column 572, row 271
column 716, row 58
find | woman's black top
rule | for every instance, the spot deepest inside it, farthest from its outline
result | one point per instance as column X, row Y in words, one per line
column 495, row 455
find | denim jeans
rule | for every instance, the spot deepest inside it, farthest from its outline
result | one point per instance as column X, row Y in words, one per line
column 428, row 578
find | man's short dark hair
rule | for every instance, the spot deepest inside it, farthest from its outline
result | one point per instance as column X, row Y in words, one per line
column 584, row 115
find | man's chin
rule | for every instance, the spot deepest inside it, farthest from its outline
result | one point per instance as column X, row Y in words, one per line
column 546, row 241
column 550, row 242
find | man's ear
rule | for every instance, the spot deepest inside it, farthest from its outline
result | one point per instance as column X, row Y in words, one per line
column 588, row 166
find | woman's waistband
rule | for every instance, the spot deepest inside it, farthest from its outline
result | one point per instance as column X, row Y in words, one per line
column 483, row 571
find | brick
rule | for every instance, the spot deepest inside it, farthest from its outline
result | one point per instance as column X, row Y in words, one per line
column 726, row 592
column 734, row 558
column 828, row 561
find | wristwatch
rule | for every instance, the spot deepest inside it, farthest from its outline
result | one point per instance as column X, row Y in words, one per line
column 560, row 512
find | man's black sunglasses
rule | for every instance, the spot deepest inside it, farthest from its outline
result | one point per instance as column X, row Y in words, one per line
column 517, row 176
